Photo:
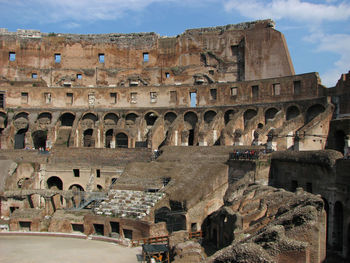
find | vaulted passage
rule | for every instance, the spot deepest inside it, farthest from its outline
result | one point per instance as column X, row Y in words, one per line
column 54, row 182
column 150, row 118
column 121, row 140
column 170, row 117
column 313, row 111
column 248, row 115
column 67, row 119
column 209, row 116
column 20, row 139
column 270, row 114
column 292, row 112
column 39, row 139
column 229, row 115
column 88, row 139
column 109, row 138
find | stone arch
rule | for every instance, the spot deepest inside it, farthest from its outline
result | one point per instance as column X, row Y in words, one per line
column 130, row 119
column 22, row 114
column 39, row 139
column 121, row 140
column 150, row 118
column 67, row 119
column 54, row 181
column 248, row 115
column 88, row 140
column 338, row 226
column 76, row 187
column 292, row 112
column 20, row 138
column 111, row 119
column 90, row 116
column 191, row 118
column 270, row 114
column 229, row 115
column 209, row 116
column 109, row 138
column 99, row 187
column 170, row 117
column 313, row 111
column 44, row 118
column 339, row 137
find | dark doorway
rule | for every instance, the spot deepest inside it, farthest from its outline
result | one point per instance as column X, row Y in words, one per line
column 115, row 227
column 67, row 119
column 338, row 226
column 292, row 112
column 109, row 137
column 191, row 137
column 99, row 229
column 78, row 228
column 127, row 233
column 150, row 118
column 88, row 139
column 39, row 139
column 55, row 181
column 20, row 139
column 340, row 141
column 121, row 140
column 24, row 225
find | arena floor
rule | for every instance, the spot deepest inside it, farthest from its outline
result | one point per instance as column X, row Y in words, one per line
column 30, row 249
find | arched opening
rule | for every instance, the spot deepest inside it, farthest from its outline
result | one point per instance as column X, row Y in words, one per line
column 270, row 114
column 90, row 116
column 209, row 116
column 109, row 138
column 111, row 119
column 21, row 115
column 88, row 140
column 229, row 115
column 121, row 140
column 130, row 119
column 313, row 111
column 161, row 215
column 44, row 118
column 54, row 182
column 39, row 139
column 99, row 187
column 170, row 117
column 248, row 115
column 67, row 119
column 191, row 121
column 340, row 141
column 338, row 226
column 292, row 112
column 150, row 118
column 20, row 138
column 76, row 188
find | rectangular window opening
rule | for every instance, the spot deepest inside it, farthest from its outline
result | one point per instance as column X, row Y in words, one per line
column 79, row 76
column 101, row 58
column 47, row 97
column 34, row 75
column 57, row 58
column 173, row 96
column 99, row 229
column 23, row 225
column 193, row 97
column 69, row 98
column 78, row 228
column 234, row 91
column 133, row 97
column 2, row 100
column 255, row 92
column 167, row 75
column 113, row 96
column 98, row 173
column 153, row 97
column 76, row 172
column 12, row 56
column 276, row 89
column 213, row 94
column 127, row 233
column 294, row 185
column 115, row 227
column 145, row 57
column 234, row 51
column 24, row 97
column 297, row 87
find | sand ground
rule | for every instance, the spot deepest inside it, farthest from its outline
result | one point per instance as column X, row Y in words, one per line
column 30, row 249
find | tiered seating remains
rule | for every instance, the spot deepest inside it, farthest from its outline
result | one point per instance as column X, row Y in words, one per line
column 128, row 203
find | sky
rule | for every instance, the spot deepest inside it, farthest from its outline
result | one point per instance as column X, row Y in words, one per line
column 317, row 32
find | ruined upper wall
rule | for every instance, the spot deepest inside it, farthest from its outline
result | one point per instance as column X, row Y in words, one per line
column 245, row 51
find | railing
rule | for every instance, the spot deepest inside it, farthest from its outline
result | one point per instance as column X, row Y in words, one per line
column 197, row 234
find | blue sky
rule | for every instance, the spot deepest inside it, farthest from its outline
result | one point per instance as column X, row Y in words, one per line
column 317, row 32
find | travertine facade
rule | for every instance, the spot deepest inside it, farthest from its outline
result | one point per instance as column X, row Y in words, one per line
column 81, row 116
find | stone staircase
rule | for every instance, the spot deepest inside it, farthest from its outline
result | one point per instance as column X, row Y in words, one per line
column 128, row 203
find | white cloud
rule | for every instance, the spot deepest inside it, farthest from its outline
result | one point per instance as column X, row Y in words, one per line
column 295, row 10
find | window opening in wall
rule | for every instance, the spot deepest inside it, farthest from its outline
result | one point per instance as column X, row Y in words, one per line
column 78, row 228
column 193, row 227
column 76, row 172
column 91, row 99
column 113, row 180
column 114, row 227
column 234, row 91
column 211, row 72
column 69, row 98
column 98, row 173
column 127, row 233
column 297, row 87
column 79, row 76
column 99, row 229
column 101, row 58
column 24, row 97
column 167, row 75
column 145, row 57
column 57, row 58
column 34, row 75
column 153, row 97
column 309, row 187
column 173, row 96
column 234, row 50
column 213, row 94
column 24, row 225
column 2, row 100
column 255, row 92
column 294, row 185
column 276, row 89
column 133, row 97
column 193, row 98
column 47, row 97
column 12, row 56
column 113, row 97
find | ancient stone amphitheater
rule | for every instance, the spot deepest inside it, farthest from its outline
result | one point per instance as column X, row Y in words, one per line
column 208, row 134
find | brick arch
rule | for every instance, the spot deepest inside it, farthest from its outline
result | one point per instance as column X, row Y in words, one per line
column 313, row 111
column 169, row 116
column 45, row 115
column 292, row 111
column 151, row 117
column 54, row 181
column 22, row 114
column 91, row 116
column 111, row 116
column 270, row 113
column 68, row 120
column 209, row 116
